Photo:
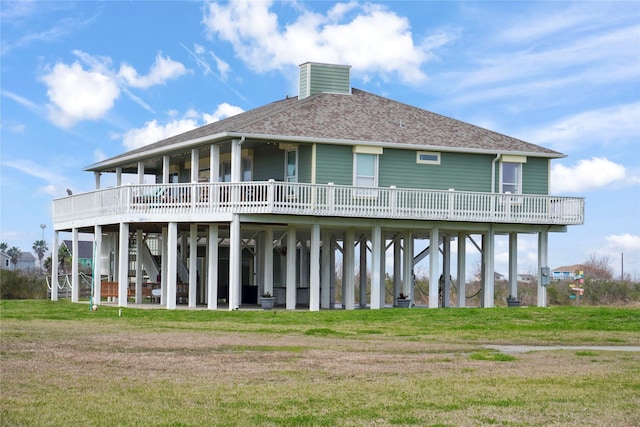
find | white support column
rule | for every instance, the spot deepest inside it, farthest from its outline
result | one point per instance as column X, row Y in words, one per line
column 314, row 269
column 54, row 266
column 235, row 263
column 446, row 270
column 377, row 282
column 363, row 272
column 164, row 274
column 166, row 166
column 97, row 263
column 348, row 258
column 325, row 293
column 304, row 266
column 195, row 162
column 139, row 243
column 462, row 270
column 267, row 280
column 212, row 267
column 543, row 250
column 171, row 279
column 332, row 271
column 236, row 161
column 407, row 275
column 118, row 176
column 489, row 269
column 123, row 264
column 96, row 176
column 291, row 268
column 75, row 267
column 397, row 267
column 434, row 265
column 193, row 265
column 214, row 163
column 140, row 172
column 513, row 265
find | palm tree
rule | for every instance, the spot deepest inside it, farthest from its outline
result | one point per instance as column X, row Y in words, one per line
column 40, row 247
column 14, row 254
column 3, row 247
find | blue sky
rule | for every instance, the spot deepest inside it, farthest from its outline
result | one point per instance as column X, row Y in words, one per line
column 83, row 81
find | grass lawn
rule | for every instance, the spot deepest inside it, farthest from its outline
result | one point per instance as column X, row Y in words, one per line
column 63, row 365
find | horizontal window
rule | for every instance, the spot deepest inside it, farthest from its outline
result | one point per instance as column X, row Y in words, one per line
column 428, row 157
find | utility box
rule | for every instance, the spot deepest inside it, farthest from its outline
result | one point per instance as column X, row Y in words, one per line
column 545, row 276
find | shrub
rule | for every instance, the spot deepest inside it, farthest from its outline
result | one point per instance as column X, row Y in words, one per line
column 22, row 285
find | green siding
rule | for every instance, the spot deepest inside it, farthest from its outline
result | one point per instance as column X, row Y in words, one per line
column 334, row 163
column 463, row 172
column 535, row 176
column 316, row 78
column 304, row 163
column 268, row 163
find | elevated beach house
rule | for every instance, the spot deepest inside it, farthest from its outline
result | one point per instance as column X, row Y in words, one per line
column 273, row 199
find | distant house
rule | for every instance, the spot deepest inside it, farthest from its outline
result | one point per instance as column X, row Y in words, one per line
column 526, row 278
column 5, row 261
column 267, row 200
column 566, row 272
column 85, row 252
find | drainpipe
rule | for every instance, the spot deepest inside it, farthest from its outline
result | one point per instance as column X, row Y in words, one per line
column 493, row 173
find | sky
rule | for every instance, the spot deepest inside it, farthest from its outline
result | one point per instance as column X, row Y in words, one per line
column 84, row 81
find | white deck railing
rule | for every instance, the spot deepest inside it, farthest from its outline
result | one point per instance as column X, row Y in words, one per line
column 272, row 197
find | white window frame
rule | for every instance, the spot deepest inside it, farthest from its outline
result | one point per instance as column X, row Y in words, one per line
column 427, row 153
column 294, row 177
column 517, row 184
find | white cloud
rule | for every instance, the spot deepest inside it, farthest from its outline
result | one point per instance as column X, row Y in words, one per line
column 153, row 131
column 98, row 155
column 596, row 127
column 624, row 242
column 76, row 94
column 587, row 174
column 223, row 111
column 163, row 69
column 56, row 183
column 369, row 37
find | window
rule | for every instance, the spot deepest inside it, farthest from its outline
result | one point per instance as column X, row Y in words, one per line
column 511, row 178
column 428, row 158
column 365, row 167
column 291, row 165
column 247, row 170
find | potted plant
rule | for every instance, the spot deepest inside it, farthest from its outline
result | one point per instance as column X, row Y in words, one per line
column 512, row 301
column 403, row 301
column 267, row 301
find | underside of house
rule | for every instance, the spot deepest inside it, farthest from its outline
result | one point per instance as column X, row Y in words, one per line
column 280, row 198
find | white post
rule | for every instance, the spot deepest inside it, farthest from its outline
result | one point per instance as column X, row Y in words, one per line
column 75, row 271
column 54, row 266
column 118, row 176
column 363, row 272
column 212, row 267
column 462, row 270
column 407, row 276
column 166, row 164
column 325, row 294
column 164, row 266
column 96, row 176
column 235, row 263
column 377, row 282
column 214, row 163
column 291, row 268
column 140, row 172
column 397, row 267
column 434, row 265
column 513, row 265
column 268, row 261
column 193, row 265
column 123, row 264
column 139, row 243
column 543, row 248
column 171, row 279
column 195, row 164
column 348, row 258
column 314, row 269
column 446, row 270
column 489, row 269
column 97, row 263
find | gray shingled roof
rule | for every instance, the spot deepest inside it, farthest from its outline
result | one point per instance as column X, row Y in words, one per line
column 363, row 118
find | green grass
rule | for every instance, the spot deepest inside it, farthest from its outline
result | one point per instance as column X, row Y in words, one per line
column 63, row 364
